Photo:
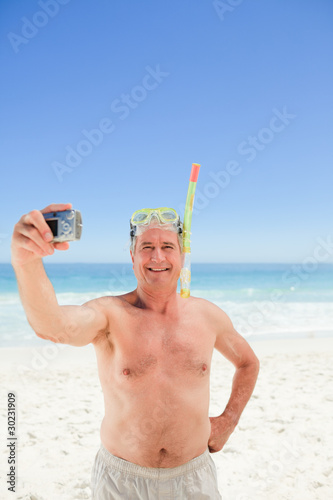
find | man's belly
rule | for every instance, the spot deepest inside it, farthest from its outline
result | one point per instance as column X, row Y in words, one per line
column 158, row 426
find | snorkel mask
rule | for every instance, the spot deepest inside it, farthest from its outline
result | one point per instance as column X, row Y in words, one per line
column 164, row 218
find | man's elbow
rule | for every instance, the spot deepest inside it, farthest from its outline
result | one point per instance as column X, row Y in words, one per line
column 63, row 332
column 47, row 337
column 57, row 339
column 252, row 363
column 52, row 336
column 41, row 336
column 257, row 365
column 254, row 360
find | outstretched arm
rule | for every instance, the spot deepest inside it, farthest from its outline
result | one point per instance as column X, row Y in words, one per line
column 73, row 325
column 235, row 348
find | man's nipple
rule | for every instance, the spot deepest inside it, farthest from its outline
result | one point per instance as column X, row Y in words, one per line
column 204, row 367
column 126, row 371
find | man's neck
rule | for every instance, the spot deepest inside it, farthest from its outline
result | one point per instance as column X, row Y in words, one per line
column 157, row 300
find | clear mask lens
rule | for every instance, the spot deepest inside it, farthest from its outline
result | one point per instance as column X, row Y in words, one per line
column 140, row 217
column 169, row 216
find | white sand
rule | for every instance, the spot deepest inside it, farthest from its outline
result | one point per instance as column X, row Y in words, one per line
column 281, row 449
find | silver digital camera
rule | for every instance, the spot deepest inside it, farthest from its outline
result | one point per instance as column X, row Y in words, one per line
column 65, row 225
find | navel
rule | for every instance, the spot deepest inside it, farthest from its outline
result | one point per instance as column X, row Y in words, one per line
column 126, row 371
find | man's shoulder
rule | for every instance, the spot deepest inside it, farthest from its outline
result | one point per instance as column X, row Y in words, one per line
column 109, row 301
column 201, row 302
column 208, row 308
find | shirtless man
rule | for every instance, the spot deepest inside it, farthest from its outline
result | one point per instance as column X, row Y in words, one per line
column 154, row 351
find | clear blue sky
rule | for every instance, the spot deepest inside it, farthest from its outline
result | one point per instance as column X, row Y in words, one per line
column 171, row 83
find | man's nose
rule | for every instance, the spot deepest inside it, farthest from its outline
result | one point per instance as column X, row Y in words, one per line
column 157, row 255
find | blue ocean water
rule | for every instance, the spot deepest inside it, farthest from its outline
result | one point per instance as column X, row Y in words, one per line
column 262, row 300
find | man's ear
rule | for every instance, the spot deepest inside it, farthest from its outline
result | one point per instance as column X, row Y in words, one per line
column 132, row 257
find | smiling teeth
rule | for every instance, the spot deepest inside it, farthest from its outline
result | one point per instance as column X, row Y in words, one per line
column 158, row 269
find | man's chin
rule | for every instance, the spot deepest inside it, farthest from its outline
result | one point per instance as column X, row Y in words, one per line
column 160, row 278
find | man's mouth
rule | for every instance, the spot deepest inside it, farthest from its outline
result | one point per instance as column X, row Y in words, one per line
column 157, row 270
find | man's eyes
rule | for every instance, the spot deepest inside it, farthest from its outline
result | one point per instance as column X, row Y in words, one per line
column 165, row 246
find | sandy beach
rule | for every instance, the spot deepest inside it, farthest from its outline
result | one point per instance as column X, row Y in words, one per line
column 281, row 449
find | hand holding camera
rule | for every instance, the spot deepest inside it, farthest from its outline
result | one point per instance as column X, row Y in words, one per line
column 39, row 232
column 65, row 225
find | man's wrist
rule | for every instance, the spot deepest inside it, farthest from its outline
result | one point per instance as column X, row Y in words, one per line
column 231, row 416
column 27, row 266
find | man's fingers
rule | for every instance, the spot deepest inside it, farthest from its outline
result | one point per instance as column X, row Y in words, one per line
column 31, row 232
column 36, row 219
column 61, row 246
column 30, row 245
column 56, row 207
column 35, row 235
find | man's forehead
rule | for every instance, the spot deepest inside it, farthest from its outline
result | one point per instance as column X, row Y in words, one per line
column 154, row 234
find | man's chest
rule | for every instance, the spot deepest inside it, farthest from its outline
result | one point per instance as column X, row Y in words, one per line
column 142, row 345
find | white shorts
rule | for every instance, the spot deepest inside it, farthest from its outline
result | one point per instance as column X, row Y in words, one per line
column 113, row 478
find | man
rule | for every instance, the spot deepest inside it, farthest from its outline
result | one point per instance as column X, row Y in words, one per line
column 154, row 352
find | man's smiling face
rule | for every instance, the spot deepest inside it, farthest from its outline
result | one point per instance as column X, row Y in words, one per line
column 157, row 259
